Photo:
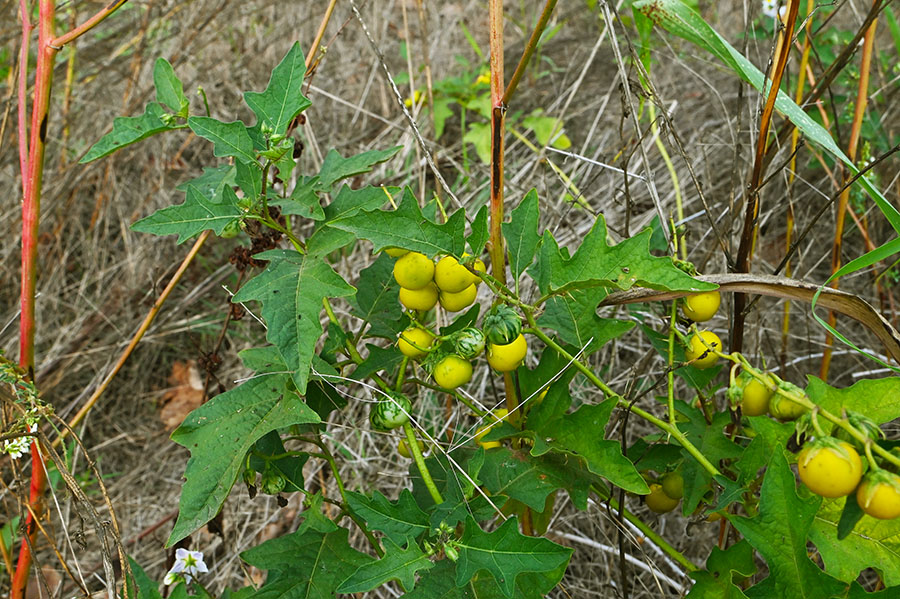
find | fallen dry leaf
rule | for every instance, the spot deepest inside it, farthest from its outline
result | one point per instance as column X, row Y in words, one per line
column 184, row 396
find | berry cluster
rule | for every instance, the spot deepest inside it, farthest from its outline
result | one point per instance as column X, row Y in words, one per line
column 453, row 284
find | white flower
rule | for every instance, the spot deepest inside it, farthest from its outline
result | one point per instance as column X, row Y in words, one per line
column 188, row 565
column 770, row 8
column 19, row 446
column 16, row 448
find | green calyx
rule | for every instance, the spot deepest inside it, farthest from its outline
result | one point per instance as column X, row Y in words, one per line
column 469, row 343
column 502, row 325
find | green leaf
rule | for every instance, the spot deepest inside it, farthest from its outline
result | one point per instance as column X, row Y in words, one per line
column 229, row 139
column 350, row 201
column 708, row 438
column 219, row 433
column 683, row 21
column 505, row 553
column 303, row 201
column 131, row 129
column 574, row 317
column 291, row 290
column 376, row 302
column 596, row 263
column 460, row 497
column 306, row 564
column 479, row 135
column 397, row 564
column 552, row 368
column 479, row 236
column 405, row 227
column 779, row 534
column 771, row 436
column 336, row 168
column 872, row 543
column 147, row 588
column 581, row 434
column 290, row 467
column 547, row 128
column 197, row 213
column 211, row 182
column 530, row 479
column 248, row 177
column 379, row 358
column 878, row 399
column 521, row 234
column 722, row 570
column 169, row 90
column 323, row 398
column 440, row 583
column 398, row 520
column 282, row 99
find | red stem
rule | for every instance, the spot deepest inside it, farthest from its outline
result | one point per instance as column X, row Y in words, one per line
column 64, row 39
column 31, row 206
column 23, row 89
column 498, row 112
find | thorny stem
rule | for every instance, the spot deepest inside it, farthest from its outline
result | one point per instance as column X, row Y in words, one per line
column 671, row 429
column 648, row 532
column 413, row 444
column 670, row 382
column 345, row 505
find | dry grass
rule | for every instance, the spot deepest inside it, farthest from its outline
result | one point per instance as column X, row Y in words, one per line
column 98, row 278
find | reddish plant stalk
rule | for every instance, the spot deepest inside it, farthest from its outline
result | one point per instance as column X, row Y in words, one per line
column 32, row 168
column 31, row 207
column 23, row 87
column 498, row 114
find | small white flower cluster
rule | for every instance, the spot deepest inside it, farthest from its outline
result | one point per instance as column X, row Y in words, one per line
column 188, row 565
column 771, row 9
column 17, row 447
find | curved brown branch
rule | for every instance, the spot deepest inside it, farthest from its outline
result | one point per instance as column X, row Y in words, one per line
column 791, row 289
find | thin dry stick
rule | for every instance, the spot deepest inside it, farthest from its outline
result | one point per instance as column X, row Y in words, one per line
column 862, row 96
column 399, row 97
column 136, row 338
column 795, row 140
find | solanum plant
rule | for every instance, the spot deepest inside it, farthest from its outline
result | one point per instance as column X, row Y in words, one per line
column 424, row 319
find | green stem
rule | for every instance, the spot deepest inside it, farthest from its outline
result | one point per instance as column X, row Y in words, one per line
column 413, row 444
column 401, row 374
column 329, row 457
column 670, row 429
column 670, row 375
column 873, row 466
column 804, row 401
column 650, row 534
